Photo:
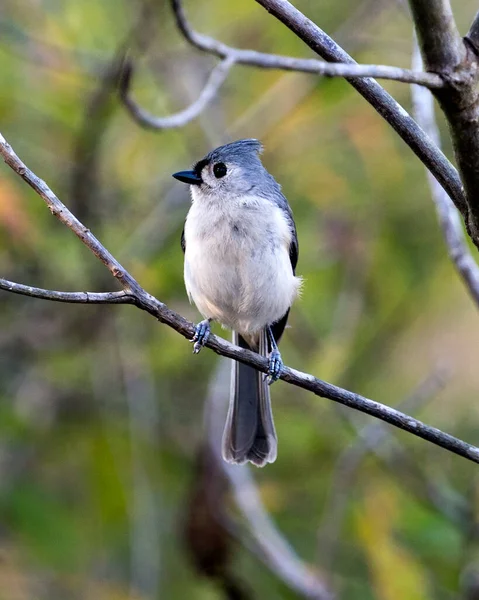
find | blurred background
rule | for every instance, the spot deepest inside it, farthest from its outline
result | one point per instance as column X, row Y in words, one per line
column 110, row 483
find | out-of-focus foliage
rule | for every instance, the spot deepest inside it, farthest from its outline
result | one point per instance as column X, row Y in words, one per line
column 101, row 408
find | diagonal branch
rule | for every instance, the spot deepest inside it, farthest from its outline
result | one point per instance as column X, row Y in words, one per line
column 447, row 213
column 61, row 212
column 382, row 102
column 159, row 310
column 122, row 297
column 304, row 65
column 215, row 81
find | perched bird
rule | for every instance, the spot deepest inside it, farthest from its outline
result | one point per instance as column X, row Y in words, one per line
column 241, row 251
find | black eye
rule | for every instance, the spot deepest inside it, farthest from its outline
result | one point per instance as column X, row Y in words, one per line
column 219, row 170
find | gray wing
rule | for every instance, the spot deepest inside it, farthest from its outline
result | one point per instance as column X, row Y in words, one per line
column 274, row 192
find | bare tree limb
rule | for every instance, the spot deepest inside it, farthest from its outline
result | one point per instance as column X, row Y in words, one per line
column 381, row 101
column 447, row 213
column 61, row 212
column 231, row 56
column 304, row 65
column 122, row 297
column 215, row 81
column 159, row 310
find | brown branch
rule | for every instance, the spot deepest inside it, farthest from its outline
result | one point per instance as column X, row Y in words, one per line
column 303, row 65
column 156, row 308
column 447, row 213
column 215, row 81
column 122, row 297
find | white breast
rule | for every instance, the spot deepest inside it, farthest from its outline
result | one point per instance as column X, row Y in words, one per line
column 237, row 266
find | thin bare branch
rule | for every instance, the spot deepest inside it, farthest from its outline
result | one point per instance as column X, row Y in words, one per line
column 447, row 213
column 381, row 101
column 215, row 81
column 61, row 212
column 303, row 65
column 158, row 309
column 122, row 297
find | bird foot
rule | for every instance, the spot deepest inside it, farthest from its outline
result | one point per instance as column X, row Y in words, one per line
column 275, row 367
column 202, row 333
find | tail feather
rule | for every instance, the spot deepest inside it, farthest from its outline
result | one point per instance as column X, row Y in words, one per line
column 249, row 431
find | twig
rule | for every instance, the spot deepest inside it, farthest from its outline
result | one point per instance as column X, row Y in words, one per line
column 288, row 91
column 449, row 220
column 61, row 212
column 381, row 101
column 304, row 65
column 215, row 81
column 158, row 309
column 122, row 297
column 273, row 547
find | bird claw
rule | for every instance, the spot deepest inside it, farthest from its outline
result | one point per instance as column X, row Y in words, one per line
column 202, row 333
column 275, row 367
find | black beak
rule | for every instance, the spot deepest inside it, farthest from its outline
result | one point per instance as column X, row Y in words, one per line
column 189, row 177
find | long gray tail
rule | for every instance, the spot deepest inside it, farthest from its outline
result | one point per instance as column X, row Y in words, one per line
column 249, row 431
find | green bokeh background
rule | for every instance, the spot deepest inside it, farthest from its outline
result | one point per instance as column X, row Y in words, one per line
column 102, row 408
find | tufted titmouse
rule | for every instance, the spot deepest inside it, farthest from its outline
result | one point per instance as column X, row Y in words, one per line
column 241, row 251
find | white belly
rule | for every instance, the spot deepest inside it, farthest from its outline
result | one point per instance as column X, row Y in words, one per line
column 237, row 268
